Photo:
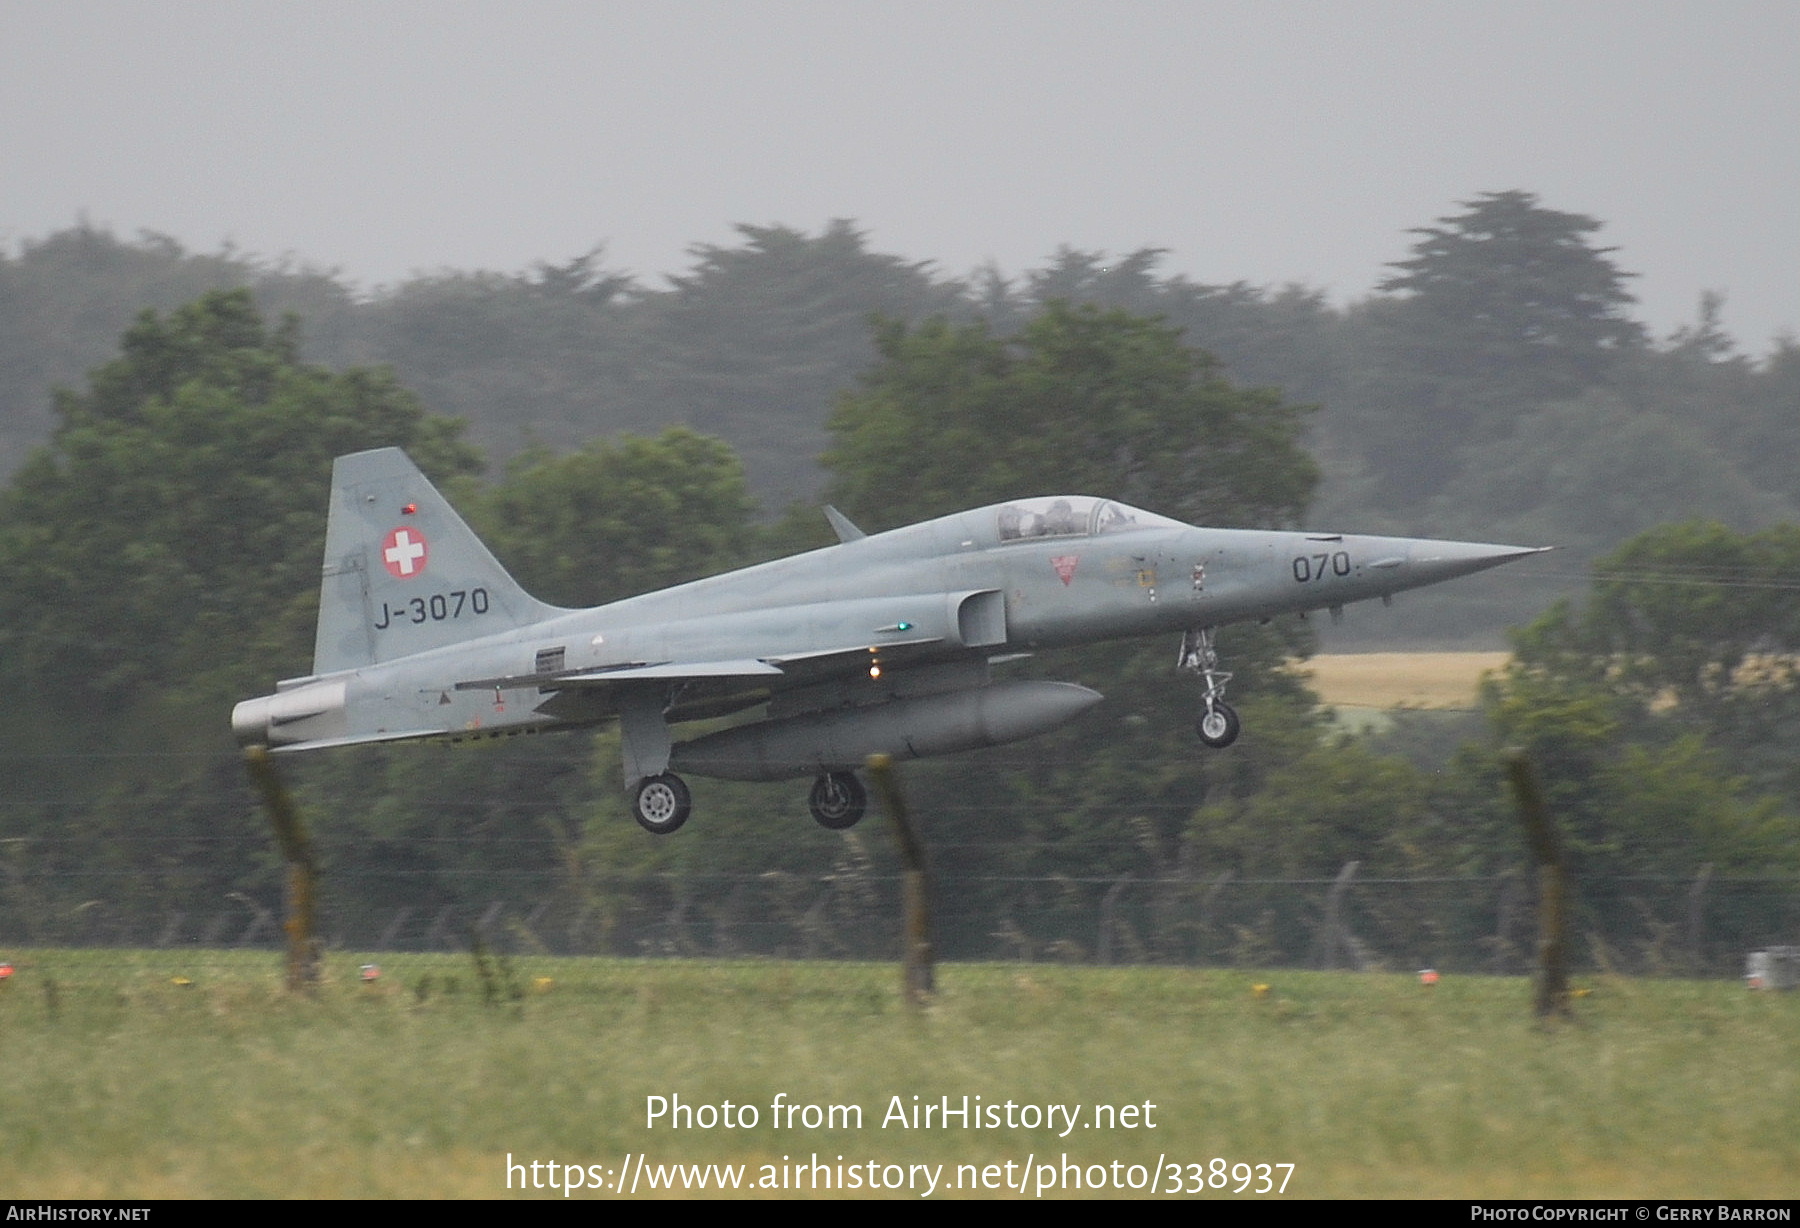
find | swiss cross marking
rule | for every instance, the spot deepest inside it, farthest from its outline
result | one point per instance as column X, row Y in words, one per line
column 403, row 553
column 1065, row 566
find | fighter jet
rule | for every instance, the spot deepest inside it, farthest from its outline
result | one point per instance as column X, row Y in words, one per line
column 885, row 642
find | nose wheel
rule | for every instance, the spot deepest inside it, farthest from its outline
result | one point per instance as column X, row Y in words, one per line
column 838, row 800
column 1218, row 724
column 662, row 804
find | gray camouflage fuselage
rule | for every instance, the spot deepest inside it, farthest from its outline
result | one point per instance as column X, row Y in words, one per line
column 823, row 639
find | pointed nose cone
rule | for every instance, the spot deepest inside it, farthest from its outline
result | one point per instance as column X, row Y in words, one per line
column 1429, row 562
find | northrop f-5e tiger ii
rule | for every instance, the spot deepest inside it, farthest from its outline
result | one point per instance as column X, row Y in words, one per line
column 883, row 643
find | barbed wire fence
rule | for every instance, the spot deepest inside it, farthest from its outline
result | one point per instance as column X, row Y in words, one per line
column 167, row 892
column 1696, row 926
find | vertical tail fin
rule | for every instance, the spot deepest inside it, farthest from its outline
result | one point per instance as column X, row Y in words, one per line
column 403, row 572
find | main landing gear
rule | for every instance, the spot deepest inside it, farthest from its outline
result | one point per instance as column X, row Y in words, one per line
column 838, row 800
column 1218, row 724
column 662, row 803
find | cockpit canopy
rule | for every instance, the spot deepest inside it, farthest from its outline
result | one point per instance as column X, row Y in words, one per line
column 1072, row 516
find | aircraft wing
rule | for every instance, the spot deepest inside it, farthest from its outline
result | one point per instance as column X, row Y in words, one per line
column 392, row 735
column 825, row 658
column 797, row 665
column 672, row 670
column 636, row 671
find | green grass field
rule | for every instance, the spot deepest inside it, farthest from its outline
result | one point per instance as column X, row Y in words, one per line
column 120, row 1083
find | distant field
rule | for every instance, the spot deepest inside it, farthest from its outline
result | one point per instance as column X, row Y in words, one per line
column 121, row 1082
column 1402, row 679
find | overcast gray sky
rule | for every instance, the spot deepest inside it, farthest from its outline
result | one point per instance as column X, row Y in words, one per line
column 1269, row 142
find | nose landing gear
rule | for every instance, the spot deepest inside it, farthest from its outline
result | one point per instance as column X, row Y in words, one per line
column 1218, row 725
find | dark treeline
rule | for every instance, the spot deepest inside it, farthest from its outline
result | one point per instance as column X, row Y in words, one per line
column 1495, row 387
column 160, row 532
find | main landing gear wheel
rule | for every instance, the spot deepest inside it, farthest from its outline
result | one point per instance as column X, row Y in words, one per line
column 838, row 800
column 1218, row 726
column 662, row 804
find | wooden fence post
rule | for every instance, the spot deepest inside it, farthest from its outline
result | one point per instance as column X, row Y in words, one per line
column 1109, row 907
column 1333, row 934
column 1552, row 998
column 1696, row 920
column 296, row 850
column 918, row 977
